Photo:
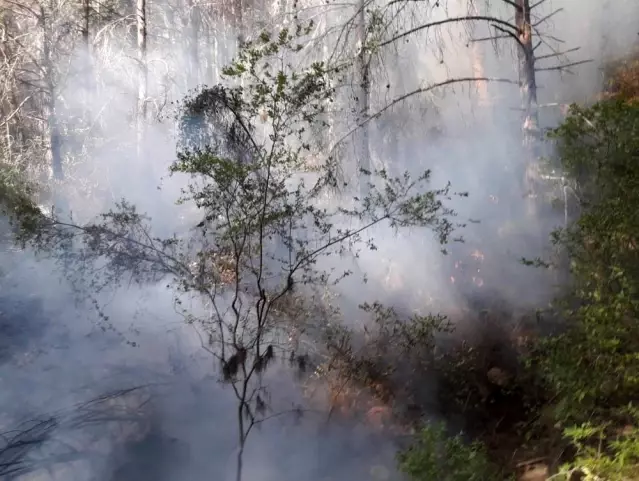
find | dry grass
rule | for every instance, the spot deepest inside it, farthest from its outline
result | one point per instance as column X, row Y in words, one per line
column 622, row 79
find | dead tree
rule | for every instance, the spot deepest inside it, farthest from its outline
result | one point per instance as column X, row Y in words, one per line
column 478, row 65
column 86, row 56
column 55, row 140
column 238, row 19
column 143, row 74
column 194, row 25
column 525, row 32
column 376, row 28
column 38, row 40
column 362, row 95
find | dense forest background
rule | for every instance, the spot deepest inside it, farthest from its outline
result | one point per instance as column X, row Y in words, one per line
column 269, row 241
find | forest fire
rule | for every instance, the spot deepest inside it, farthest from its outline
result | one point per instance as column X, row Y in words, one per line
column 299, row 135
column 379, row 416
column 469, row 270
column 221, row 266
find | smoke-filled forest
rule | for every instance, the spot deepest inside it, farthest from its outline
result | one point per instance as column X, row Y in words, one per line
column 385, row 240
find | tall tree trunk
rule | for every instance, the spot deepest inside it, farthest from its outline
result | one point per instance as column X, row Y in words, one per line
column 530, row 108
column 479, row 71
column 477, row 53
column 53, row 125
column 238, row 19
column 363, row 103
column 191, row 30
column 143, row 80
column 328, row 130
column 86, row 17
column 11, row 103
column 282, row 6
column 86, row 60
column 212, row 61
column 194, row 43
column 239, row 468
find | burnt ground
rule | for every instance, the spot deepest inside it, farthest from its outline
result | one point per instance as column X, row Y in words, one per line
column 478, row 382
column 21, row 322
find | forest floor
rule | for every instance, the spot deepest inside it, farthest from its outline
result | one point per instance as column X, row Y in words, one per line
column 484, row 389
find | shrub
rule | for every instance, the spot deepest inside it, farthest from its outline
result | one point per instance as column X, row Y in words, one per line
column 436, row 456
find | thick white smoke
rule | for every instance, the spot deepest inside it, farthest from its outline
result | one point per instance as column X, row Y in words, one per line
column 56, row 355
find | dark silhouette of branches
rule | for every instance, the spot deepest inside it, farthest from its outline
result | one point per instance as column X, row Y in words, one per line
column 20, row 447
column 422, row 90
column 18, row 443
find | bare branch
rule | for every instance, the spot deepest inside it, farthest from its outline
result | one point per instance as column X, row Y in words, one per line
column 556, row 54
column 25, row 7
column 489, row 39
column 513, row 4
column 547, row 17
column 421, row 91
column 393, row 2
column 468, row 18
column 532, row 7
column 508, row 34
column 562, row 67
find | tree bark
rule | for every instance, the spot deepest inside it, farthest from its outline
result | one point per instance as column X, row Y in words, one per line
column 191, row 23
column 527, row 79
column 477, row 53
column 53, row 125
column 530, row 108
column 86, row 60
column 86, row 16
column 141, row 114
column 363, row 103
column 238, row 19
column 194, row 44
column 212, row 61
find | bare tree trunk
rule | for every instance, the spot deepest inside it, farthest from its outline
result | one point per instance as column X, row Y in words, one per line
column 141, row 114
column 11, row 103
column 194, row 30
column 363, row 103
column 191, row 27
column 530, row 108
column 86, row 17
column 479, row 71
column 53, row 125
column 328, row 130
column 238, row 19
column 86, row 60
column 477, row 54
column 212, row 69
column 242, row 443
column 282, row 6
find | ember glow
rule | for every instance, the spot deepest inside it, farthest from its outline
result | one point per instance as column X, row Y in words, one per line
column 477, row 255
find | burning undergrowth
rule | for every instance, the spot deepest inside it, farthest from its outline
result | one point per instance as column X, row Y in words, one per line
column 468, row 369
column 485, row 385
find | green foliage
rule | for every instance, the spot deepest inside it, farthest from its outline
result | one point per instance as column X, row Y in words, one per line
column 406, row 333
column 390, row 345
column 436, row 456
column 249, row 148
column 603, row 454
column 593, row 367
column 256, row 179
column 17, row 203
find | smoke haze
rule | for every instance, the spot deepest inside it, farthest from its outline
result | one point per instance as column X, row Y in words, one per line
column 57, row 354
